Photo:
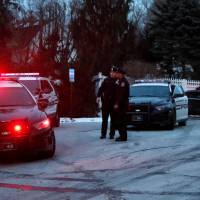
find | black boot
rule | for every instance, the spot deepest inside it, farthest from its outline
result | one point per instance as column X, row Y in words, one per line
column 119, row 139
column 103, row 137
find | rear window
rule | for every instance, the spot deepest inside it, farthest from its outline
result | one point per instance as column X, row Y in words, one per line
column 19, row 96
column 149, row 91
column 32, row 85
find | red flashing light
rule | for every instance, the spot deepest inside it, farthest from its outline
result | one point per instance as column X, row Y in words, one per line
column 19, row 127
column 43, row 124
column 8, row 79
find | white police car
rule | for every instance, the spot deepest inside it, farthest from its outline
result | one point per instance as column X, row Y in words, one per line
column 40, row 87
column 157, row 102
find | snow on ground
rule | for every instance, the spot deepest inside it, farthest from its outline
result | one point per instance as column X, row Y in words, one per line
column 78, row 120
column 151, row 165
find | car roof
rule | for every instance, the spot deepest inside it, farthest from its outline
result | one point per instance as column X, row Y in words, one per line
column 9, row 83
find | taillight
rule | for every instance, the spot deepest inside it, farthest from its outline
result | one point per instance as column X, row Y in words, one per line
column 45, row 124
column 18, row 127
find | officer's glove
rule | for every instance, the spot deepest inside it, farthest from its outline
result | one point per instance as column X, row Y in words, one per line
column 98, row 100
column 116, row 106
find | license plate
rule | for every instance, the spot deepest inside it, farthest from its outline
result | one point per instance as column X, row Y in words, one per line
column 7, row 146
column 137, row 118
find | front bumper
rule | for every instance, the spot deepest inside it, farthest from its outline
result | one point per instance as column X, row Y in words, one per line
column 150, row 118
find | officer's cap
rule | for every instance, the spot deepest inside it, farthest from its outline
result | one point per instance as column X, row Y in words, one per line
column 114, row 69
column 121, row 70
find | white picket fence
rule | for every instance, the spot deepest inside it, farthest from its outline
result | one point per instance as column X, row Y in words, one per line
column 186, row 84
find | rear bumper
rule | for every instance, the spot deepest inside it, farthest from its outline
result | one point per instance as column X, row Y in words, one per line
column 39, row 142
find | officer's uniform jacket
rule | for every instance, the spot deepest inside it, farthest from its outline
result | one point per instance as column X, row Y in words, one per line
column 107, row 92
column 122, row 93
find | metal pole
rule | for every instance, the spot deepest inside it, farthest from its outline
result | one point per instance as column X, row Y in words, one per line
column 71, row 98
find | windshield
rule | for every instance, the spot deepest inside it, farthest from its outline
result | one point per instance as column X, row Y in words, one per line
column 32, row 85
column 18, row 96
column 149, row 91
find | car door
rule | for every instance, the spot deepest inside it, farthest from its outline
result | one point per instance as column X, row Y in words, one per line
column 181, row 102
column 50, row 94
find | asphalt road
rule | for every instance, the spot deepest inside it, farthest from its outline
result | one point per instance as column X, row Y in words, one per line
column 151, row 165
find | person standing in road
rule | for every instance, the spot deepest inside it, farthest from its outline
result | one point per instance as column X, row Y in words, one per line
column 121, row 104
column 106, row 94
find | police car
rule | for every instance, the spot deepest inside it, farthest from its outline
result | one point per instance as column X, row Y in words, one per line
column 24, row 126
column 40, row 87
column 157, row 102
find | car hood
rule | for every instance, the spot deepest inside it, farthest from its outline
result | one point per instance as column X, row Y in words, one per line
column 149, row 100
column 17, row 112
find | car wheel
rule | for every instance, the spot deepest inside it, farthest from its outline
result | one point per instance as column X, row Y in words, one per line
column 56, row 121
column 171, row 125
column 50, row 153
column 183, row 123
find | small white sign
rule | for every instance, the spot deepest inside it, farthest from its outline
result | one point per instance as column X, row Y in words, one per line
column 71, row 75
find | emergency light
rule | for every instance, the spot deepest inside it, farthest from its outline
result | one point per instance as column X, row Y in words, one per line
column 19, row 74
column 151, row 81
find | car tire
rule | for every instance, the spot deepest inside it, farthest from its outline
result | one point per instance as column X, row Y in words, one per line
column 171, row 125
column 50, row 153
column 56, row 120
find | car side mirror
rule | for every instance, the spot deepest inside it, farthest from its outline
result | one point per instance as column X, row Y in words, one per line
column 42, row 103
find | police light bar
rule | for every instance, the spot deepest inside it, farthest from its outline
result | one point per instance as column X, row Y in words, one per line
column 8, row 79
column 19, row 74
column 151, row 81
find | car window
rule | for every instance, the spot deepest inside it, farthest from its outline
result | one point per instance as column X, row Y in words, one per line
column 32, row 85
column 178, row 91
column 18, row 96
column 152, row 91
column 46, row 87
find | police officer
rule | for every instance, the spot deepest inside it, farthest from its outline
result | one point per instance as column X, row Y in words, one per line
column 106, row 93
column 121, row 104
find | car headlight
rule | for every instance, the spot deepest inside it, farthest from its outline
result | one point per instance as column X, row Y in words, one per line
column 162, row 107
column 44, row 124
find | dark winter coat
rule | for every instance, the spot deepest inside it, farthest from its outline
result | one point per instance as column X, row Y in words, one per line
column 107, row 92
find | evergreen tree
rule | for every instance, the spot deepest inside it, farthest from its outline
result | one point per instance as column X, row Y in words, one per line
column 102, row 33
column 7, row 19
column 174, row 30
column 102, row 36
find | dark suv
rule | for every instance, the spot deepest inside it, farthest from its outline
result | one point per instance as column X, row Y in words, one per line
column 24, row 126
column 157, row 102
column 194, row 101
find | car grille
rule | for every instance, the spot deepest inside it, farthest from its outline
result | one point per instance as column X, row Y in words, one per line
column 139, row 112
column 142, row 108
